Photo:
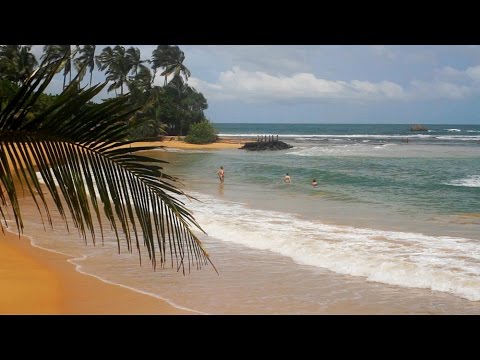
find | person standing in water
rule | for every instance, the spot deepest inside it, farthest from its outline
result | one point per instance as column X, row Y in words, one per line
column 287, row 179
column 314, row 183
column 221, row 174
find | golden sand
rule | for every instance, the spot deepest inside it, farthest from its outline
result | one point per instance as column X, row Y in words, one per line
column 172, row 142
column 36, row 281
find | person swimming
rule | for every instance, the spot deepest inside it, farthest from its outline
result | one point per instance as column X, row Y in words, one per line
column 221, row 174
column 314, row 183
column 287, row 179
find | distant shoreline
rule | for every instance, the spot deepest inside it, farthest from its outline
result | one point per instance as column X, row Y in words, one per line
column 173, row 142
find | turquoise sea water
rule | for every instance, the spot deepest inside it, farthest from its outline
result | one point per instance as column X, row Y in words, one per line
column 436, row 172
column 392, row 227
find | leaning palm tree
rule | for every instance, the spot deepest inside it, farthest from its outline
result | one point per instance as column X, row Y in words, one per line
column 141, row 83
column 80, row 153
column 134, row 59
column 117, row 63
column 171, row 59
column 104, row 59
column 86, row 59
column 52, row 53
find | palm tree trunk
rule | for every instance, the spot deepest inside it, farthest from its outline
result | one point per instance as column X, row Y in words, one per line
column 64, row 79
column 90, row 78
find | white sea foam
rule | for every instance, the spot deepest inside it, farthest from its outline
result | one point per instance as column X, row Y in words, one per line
column 470, row 181
column 459, row 138
column 453, row 130
column 360, row 149
column 361, row 136
column 443, row 263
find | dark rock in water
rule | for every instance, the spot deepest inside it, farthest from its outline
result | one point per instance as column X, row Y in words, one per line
column 418, row 127
column 266, row 145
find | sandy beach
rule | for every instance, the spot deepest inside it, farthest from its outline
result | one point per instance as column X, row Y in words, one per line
column 36, row 281
column 172, row 142
column 298, row 279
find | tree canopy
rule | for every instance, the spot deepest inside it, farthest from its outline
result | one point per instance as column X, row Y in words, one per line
column 167, row 109
column 89, row 167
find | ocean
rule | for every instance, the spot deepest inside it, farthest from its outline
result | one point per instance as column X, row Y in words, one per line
column 392, row 227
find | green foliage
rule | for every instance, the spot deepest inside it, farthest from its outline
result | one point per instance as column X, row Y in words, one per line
column 17, row 63
column 171, row 59
column 80, row 151
column 8, row 90
column 201, row 133
column 86, row 59
column 169, row 109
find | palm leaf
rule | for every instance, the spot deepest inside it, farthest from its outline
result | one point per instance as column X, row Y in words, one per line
column 82, row 157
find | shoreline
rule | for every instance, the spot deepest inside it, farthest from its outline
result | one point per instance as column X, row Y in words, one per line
column 34, row 280
column 172, row 142
column 37, row 281
column 412, row 300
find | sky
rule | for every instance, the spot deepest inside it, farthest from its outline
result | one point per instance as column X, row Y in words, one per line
column 399, row 84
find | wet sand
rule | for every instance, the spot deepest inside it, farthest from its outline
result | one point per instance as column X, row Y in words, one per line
column 36, row 281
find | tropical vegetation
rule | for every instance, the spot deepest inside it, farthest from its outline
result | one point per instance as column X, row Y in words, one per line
column 91, row 170
column 167, row 109
column 202, row 133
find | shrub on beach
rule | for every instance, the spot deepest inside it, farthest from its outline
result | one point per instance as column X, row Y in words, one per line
column 201, row 133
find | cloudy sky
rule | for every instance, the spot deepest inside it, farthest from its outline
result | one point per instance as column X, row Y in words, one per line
column 332, row 84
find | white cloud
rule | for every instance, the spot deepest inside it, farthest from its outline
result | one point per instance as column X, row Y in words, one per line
column 474, row 72
column 257, row 86
column 450, row 71
column 274, row 59
column 440, row 89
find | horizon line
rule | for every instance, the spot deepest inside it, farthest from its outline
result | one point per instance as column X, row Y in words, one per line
column 296, row 123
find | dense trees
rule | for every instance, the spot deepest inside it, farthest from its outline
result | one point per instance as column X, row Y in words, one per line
column 168, row 109
column 201, row 133
column 92, row 175
column 16, row 63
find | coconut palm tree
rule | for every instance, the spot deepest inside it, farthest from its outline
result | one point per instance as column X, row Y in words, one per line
column 118, row 65
column 170, row 58
column 105, row 58
column 16, row 62
column 80, row 153
column 134, row 59
column 52, row 53
column 86, row 59
column 142, row 80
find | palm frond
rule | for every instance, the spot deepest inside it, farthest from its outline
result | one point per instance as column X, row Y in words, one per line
column 80, row 152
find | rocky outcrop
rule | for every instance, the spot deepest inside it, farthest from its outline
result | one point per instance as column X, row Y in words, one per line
column 266, row 145
column 418, row 127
